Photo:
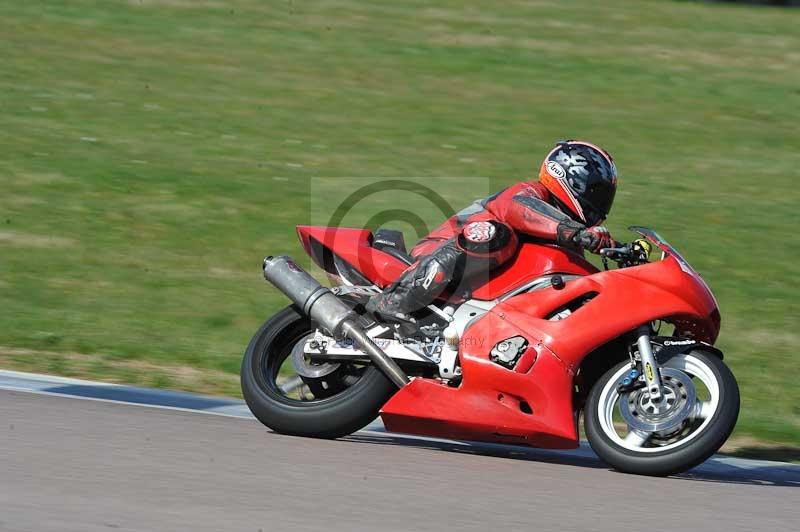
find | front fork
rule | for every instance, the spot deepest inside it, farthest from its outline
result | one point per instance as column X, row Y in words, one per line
column 650, row 368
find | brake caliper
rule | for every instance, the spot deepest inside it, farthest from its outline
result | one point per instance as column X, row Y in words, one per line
column 631, row 382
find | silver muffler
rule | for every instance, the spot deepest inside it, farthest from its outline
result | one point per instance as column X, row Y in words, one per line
column 328, row 311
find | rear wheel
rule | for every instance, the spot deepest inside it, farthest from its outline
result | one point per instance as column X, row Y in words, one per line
column 695, row 417
column 290, row 395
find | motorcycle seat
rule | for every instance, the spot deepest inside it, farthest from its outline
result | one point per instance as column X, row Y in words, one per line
column 392, row 242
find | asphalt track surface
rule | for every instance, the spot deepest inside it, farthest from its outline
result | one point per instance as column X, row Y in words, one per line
column 71, row 464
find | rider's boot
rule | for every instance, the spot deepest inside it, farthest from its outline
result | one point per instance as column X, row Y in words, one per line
column 416, row 288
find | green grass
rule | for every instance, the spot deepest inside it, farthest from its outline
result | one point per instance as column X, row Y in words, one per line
column 151, row 152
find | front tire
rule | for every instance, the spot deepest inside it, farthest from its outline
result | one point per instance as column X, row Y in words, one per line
column 341, row 402
column 678, row 449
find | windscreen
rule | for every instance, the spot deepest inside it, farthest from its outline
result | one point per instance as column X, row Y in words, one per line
column 664, row 246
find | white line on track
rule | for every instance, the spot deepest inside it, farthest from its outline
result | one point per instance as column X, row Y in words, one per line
column 166, row 400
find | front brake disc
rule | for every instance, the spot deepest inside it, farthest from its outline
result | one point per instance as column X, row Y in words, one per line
column 678, row 401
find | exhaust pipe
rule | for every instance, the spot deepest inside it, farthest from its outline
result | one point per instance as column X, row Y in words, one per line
column 323, row 307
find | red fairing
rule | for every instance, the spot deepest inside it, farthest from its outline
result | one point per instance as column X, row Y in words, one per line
column 532, row 261
column 355, row 247
column 491, row 403
column 533, row 403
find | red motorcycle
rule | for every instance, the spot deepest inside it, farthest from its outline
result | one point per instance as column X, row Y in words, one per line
column 512, row 359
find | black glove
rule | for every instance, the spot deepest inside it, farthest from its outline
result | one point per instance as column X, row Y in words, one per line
column 594, row 239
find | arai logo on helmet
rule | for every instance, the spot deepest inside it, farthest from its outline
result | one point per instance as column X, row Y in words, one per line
column 556, row 170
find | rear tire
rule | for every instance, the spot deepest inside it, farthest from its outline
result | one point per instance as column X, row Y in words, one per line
column 680, row 457
column 331, row 417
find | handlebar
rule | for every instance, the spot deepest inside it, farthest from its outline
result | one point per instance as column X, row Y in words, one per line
column 618, row 252
column 627, row 255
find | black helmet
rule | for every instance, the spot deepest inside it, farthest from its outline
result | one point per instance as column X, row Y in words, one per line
column 582, row 178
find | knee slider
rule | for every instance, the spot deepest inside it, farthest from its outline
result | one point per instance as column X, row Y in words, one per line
column 431, row 273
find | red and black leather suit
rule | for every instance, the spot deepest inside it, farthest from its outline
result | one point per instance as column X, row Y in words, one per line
column 452, row 254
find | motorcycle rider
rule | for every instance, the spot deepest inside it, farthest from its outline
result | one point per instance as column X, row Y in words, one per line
column 573, row 196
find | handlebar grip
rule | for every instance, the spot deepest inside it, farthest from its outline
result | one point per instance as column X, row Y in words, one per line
column 583, row 240
column 618, row 251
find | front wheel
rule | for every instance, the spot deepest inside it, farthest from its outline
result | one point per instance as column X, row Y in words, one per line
column 694, row 418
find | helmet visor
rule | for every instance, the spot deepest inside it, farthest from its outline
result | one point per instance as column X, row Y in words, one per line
column 597, row 200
